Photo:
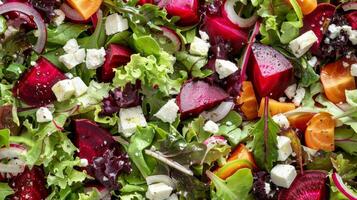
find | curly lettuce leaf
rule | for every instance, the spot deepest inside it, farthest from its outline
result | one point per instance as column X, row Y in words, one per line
column 345, row 166
column 281, row 23
column 153, row 72
column 233, row 187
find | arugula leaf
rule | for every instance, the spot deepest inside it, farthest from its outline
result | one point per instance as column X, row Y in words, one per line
column 346, row 139
column 119, row 38
column 4, row 137
column 59, row 35
column 142, row 139
column 233, row 187
column 5, row 190
column 265, row 141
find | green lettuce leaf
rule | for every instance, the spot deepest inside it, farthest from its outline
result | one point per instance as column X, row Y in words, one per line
column 4, row 137
column 59, row 35
column 97, row 39
column 141, row 140
column 5, row 190
column 233, row 187
column 265, row 143
column 151, row 71
column 346, row 139
column 91, row 195
column 193, row 64
column 351, row 97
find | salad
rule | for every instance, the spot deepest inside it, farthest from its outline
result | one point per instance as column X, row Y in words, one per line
column 178, row 99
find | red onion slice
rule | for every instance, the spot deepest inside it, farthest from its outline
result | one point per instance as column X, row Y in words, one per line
column 235, row 18
column 31, row 12
column 342, row 187
column 213, row 140
column 248, row 51
column 72, row 14
column 219, row 112
column 349, row 6
column 171, row 35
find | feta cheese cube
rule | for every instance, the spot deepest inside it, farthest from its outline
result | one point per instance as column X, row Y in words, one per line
column 310, row 152
column 313, row 61
column 59, row 17
column 334, row 31
column 130, row 118
column 43, row 114
column 283, row 175
column 204, row 36
column 211, row 127
column 224, row 68
column 284, row 148
column 115, row 23
column 168, row 112
column 281, row 120
column 71, row 60
column 71, row 46
column 290, row 91
column 69, row 75
column 303, row 43
column 79, row 86
column 282, row 99
column 63, row 90
column 199, row 47
column 158, row 191
column 299, row 96
column 353, row 37
column 95, row 58
column 354, row 69
column 84, row 162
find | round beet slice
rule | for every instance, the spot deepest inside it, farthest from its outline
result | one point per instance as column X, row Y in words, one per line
column 308, row 186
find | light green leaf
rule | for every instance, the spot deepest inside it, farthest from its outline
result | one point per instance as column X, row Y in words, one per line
column 4, row 137
column 61, row 34
column 5, row 190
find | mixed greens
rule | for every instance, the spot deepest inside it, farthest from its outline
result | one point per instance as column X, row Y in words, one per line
column 184, row 99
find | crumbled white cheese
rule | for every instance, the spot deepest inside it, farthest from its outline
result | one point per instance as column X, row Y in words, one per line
column 281, row 120
column 299, row 96
column 43, row 114
column 290, row 91
column 313, row 61
column 199, row 47
column 71, row 46
column 59, row 17
column 63, row 90
column 130, row 118
column 211, row 127
column 204, row 36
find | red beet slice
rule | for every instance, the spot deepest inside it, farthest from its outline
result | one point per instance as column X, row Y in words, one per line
column 219, row 27
column 34, row 87
column 187, row 10
column 352, row 19
column 272, row 72
column 197, row 96
column 91, row 139
column 117, row 55
column 307, row 186
column 317, row 21
column 142, row 2
column 31, row 184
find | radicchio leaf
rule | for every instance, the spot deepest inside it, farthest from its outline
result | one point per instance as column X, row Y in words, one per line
column 265, row 140
column 108, row 167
